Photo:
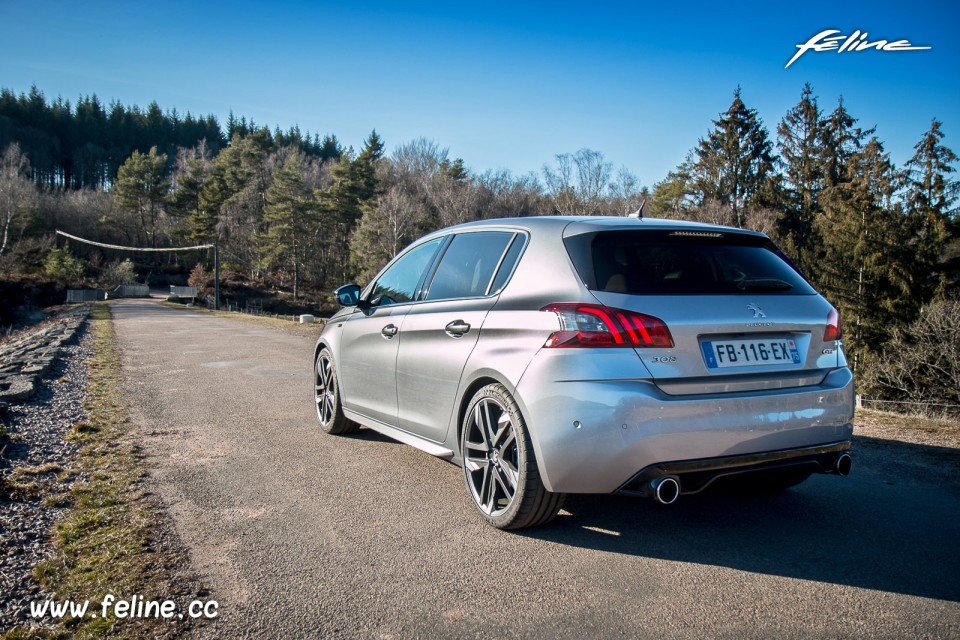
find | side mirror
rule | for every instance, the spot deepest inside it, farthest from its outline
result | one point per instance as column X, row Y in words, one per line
column 349, row 296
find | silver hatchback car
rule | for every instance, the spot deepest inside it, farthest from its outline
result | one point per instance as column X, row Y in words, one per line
column 561, row 355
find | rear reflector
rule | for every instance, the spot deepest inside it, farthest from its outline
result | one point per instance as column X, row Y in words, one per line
column 594, row 325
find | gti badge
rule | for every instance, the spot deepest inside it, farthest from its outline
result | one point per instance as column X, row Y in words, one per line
column 757, row 311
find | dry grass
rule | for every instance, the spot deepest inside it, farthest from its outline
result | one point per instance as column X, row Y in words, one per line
column 904, row 428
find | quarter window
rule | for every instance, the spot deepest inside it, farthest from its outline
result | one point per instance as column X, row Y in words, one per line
column 508, row 263
column 468, row 265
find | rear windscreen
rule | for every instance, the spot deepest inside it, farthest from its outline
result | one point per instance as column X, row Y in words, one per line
column 683, row 262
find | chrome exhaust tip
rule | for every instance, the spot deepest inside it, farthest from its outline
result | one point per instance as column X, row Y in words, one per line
column 665, row 490
column 843, row 464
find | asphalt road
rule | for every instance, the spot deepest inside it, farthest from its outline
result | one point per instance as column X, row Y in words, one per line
column 301, row 534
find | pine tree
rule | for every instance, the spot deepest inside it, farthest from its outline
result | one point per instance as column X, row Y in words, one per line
column 931, row 205
column 839, row 141
column 734, row 163
column 865, row 256
column 291, row 217
column 60, row 265
column 671, row 196
column 141, row 189
column 799, row 141
column 388, row 224
column 355, row 185
column 197, row 219
column 233, row 197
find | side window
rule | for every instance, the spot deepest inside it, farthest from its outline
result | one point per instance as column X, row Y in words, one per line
column 509, row 262
column 467, row 266
column 398, row 284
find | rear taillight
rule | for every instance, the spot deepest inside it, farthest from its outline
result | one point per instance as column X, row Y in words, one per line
column 594, row 325
column 834, row 328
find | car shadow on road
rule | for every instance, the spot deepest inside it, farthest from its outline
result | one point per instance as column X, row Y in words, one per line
column 877, row 529
column 369, row 435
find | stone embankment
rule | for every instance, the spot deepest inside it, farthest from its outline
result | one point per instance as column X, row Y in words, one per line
column 35, row 457
column 26, row 359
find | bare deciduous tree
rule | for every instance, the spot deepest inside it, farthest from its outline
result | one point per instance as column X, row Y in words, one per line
column 560, row 185
column 417, row 161
column 580, row 183
column 456, row 200
column 593, row 176
column 16, row 190
column 625, row 193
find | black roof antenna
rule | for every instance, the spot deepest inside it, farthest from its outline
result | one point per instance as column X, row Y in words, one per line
column 638, row 214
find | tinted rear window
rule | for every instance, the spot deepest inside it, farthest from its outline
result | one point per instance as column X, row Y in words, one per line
column 671, row 262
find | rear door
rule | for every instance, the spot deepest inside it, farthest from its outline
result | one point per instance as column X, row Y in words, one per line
column 441, row 331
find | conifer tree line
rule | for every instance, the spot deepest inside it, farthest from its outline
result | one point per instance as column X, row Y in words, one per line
column 302, row 214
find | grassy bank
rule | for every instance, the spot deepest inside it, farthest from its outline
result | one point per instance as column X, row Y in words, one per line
column 114, row 538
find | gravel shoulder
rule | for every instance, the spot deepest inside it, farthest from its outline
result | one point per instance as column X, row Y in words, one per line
column 76, row 518
column 35, row 474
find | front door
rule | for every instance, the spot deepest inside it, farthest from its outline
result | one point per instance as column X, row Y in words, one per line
column 370, row 338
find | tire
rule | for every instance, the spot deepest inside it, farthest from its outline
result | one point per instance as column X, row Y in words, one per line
column 499, row 465
column 326, row 395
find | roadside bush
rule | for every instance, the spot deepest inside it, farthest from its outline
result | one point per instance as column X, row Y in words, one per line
column 202, row 280
column 921, row 362
column 61, row 266
column 117, row 273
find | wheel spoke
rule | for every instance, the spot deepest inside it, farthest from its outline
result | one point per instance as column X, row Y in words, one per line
column 510, row 474
column 326, row 374
column 504, row 447
column 487, row 423
column 475, row 464
column 476, row 446
column 505, row 484
column 504, row 426
column 480, row 419
column 487, row 489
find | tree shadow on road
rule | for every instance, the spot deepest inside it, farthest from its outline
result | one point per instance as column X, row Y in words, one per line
column 878, row 529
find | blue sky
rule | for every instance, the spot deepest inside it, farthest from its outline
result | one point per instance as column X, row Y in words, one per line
column 502, row 85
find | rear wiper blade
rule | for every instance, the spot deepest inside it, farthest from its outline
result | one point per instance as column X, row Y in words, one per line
column 764, row 284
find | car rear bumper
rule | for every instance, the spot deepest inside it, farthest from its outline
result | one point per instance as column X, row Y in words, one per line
column 693, row 476
column 596, row 436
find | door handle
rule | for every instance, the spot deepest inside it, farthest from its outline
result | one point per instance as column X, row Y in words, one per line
column 457, row 328
column 389, row 331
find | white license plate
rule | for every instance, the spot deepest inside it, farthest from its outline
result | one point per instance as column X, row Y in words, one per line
column 720, row 354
